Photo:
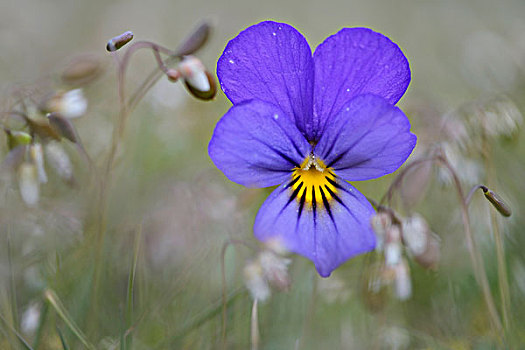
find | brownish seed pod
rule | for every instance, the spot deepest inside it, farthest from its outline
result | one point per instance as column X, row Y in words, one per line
column 497, row 202
column 119, row 41
column 64, row 127
column 195, row 40
column 82, row 70
column 203, row 95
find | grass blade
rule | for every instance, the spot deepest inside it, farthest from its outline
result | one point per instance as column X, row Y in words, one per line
column 53, row 300
column 18, row 335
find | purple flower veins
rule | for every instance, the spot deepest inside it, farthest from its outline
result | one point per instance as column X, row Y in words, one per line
column 310, row 123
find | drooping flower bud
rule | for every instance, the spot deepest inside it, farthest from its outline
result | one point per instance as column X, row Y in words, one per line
column 380, row 223
column 59, row 160
column 28, row 184
column 37, row 156
column 402, row 281
column 275, row 270
column 415, row 234
column 70, row 104
column 421, row 242
column 13, row 160
column 497, row 202
column 64, row 127
column 195, row 40
column 198, row 80
column 117, row 42
column 432, row 254
column 82, row 70
column 256, row 282
column 30, row 319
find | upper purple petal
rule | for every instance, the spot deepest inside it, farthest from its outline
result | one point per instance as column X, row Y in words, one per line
column 271, row 62
column 256, row 145
column 368, row 138
column 352, row 62
column 329, row 233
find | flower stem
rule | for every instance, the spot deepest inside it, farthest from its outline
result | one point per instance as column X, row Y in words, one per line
column 223, row 276
column 255, row 336
column 475, row 256
column 498, row 238
column 104, row 181
column 387, row 197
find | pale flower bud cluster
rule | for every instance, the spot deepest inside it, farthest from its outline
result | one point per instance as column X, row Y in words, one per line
column 467, row 131
column 40, row 143
column 268, row 269
column 400, row 237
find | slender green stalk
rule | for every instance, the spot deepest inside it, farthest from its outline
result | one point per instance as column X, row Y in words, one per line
column 21, row 339
column 12, row 283
column 474, row 253
column 223, row 276
column 131, row 286
column 503, row 282
column 53, row 300
column 255, row 336
column 172, row 342
column 41, row 325
column 310, row 314
column 62, row 339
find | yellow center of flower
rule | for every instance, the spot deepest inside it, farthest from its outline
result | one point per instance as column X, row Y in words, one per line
column 313, row 183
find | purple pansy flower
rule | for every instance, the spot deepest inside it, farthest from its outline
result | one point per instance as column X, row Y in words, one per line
column 311, row 123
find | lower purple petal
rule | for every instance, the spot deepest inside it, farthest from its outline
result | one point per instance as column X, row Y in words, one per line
column 329, row 230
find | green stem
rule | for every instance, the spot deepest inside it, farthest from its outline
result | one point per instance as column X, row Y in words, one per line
column 475, row 255
column 53, row 300
column 131, row 286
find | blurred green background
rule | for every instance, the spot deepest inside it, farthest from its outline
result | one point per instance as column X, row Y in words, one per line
column 464, row 55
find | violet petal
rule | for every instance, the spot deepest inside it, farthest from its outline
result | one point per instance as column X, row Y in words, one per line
column 328, row 233
column 356, row 61
column 256, row 145
column 367, row 139
column 271, row 62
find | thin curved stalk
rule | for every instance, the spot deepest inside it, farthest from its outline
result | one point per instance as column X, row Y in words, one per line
column 475, row 256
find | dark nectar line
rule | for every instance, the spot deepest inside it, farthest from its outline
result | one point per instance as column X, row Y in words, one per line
column 314, row 206
column 301, row 203
column 291, row 183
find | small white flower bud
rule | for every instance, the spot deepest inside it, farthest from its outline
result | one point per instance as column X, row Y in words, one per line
column 429, row 259
column 255, row 281
column 421, row 242
column 402, row 281
column 392, row 254
column 74, row 104
column 380, row 223
column 70, row 104
column 194, row 72
column 37, row 155
column 275, row 269
column 30, row 319
column 59, row 160
column 393, row 234
column 28, row 184
column 415, row 234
